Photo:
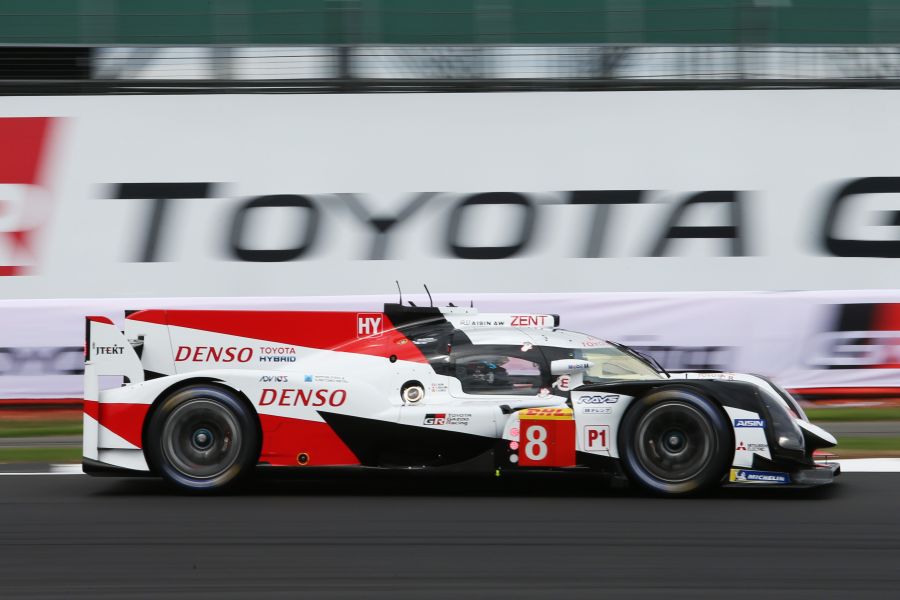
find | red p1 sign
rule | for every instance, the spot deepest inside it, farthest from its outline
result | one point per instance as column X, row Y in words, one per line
column 596, row 437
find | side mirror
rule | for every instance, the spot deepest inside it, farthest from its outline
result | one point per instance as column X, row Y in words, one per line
column 569, row 366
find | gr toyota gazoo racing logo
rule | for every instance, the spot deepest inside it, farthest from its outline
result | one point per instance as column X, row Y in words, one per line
column 865, row 335
column 24, row 201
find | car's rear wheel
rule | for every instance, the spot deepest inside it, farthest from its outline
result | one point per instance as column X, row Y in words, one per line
column 675, row 441
column 202, row 438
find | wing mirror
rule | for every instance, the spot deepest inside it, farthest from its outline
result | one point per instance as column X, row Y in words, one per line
column 569, row 366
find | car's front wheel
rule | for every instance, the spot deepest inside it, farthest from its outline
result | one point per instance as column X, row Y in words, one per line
column 202, row 438
column 675, row 441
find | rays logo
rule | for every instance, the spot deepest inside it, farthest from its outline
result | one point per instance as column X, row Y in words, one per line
column 601, row 399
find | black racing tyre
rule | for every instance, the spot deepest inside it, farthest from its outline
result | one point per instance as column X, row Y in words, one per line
column 202, row 438
column 674, row 441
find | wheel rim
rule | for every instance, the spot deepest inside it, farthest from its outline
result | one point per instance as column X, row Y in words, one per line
column 201, row 439
column 675, row 442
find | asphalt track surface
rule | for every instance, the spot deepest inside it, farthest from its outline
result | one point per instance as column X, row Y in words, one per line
column 71, row 536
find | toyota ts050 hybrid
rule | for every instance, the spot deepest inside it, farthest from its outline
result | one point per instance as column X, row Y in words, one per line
column 207, row 396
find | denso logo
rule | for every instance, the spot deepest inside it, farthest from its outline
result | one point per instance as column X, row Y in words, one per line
column 295, row 396
column 224, row 354
column 602, row 399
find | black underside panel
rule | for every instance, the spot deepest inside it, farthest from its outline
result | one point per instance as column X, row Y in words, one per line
column 382, row 443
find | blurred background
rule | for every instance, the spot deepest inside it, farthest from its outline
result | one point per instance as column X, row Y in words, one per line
column 712, row 181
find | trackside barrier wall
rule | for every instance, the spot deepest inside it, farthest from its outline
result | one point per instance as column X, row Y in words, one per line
column 846, row 345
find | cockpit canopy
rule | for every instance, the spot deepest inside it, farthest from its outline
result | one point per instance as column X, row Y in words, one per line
column 517, row 361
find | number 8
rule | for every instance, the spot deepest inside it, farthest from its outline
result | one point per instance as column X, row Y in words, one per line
column 535, row 448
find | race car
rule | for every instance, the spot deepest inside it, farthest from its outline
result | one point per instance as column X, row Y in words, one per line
column 208, row 396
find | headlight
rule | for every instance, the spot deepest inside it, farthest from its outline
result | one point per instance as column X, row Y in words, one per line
column 787, row 432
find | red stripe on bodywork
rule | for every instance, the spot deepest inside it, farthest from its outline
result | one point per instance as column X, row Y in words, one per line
column 125, row 420
column 310, row 329
column 284, row 438
column 92, row 409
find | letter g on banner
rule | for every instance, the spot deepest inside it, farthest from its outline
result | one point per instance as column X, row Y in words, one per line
column 842, row 204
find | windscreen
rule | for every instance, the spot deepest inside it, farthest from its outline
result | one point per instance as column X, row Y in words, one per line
column 609, row 363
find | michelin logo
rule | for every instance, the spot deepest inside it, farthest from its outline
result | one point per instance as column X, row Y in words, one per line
column 748, row 476
column 749, row 423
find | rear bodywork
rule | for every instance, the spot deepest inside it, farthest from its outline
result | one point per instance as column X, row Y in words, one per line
column 327, row 389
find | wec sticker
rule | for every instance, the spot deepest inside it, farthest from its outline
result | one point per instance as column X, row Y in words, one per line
column 748, row 476
column 749, row 423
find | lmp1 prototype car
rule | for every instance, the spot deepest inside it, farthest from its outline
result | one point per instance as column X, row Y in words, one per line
column 207, row 396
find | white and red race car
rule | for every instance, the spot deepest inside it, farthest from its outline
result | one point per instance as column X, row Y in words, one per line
column 208, row 396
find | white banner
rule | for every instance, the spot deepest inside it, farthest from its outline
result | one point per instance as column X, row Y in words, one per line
column 803, row 340
column 285, row 195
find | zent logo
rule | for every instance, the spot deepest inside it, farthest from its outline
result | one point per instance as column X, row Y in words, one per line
column 749, row 423
column 528, row 321
column 369, row 324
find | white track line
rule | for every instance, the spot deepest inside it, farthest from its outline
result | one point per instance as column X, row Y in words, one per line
column 848, row 465
column 870, row 465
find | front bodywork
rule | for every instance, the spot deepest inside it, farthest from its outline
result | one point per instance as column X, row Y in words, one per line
column 328, row 389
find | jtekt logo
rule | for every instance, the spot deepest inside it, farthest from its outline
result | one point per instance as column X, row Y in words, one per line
column 24, row 202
